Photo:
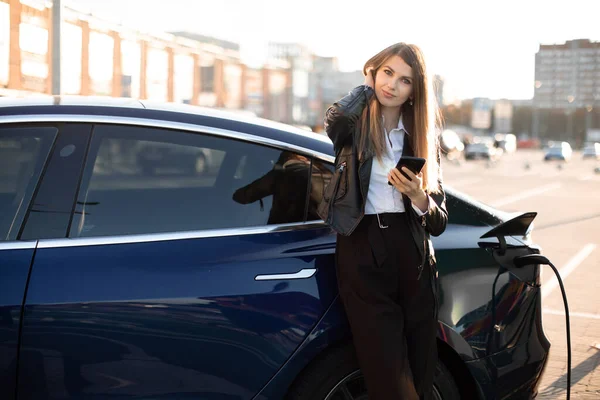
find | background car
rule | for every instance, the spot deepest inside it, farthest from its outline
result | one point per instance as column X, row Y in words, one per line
column 451, row 145
column 558, row 151
column 591, row 150
column 119, row 284
column 482, row 150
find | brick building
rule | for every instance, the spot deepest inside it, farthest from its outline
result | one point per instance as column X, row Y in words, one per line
column 106, row 59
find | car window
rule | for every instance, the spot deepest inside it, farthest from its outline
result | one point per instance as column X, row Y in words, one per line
column 321, row 174
column 146, row 180
column 23, row 153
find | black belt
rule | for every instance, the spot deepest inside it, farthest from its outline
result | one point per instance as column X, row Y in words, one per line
column 386, row 219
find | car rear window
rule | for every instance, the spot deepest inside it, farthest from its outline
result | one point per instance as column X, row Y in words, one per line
column 140, row 180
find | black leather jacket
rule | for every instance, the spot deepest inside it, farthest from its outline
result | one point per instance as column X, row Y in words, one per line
column 351, row 179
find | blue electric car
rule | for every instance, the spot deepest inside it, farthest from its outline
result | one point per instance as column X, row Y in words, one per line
column 132, row 269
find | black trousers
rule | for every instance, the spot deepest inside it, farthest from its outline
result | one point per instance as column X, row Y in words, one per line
column 392, row 313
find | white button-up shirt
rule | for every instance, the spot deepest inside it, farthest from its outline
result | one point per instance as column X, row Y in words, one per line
column 384, row 198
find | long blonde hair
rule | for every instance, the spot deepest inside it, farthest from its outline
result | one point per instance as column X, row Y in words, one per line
column 422, row 119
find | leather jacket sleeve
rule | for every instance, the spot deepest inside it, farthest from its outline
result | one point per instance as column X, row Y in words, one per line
column 341, row 117
column 436, row 217
column 258, row 189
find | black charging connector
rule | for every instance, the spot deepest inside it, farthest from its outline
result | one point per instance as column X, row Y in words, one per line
column 532, row 259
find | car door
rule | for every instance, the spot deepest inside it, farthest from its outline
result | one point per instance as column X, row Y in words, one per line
column 174, row 281
column 24, row 150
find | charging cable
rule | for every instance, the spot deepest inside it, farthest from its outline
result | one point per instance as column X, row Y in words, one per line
column 532, row 259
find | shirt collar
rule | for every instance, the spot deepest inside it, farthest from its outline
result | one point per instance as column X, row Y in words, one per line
column 400, row 126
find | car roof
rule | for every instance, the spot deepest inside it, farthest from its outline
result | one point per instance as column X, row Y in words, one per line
column 44, row 100
column 179, row 113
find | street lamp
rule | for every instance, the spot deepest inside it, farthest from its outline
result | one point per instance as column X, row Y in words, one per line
column 56, row 28
column 535, row 122
column 588, row 120
column 570, row 99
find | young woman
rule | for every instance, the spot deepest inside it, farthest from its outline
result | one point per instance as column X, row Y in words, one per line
column 385, row 261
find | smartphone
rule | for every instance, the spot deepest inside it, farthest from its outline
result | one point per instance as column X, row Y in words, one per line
column 415, row 164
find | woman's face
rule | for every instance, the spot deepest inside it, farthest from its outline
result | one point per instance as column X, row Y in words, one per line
column 394, row 82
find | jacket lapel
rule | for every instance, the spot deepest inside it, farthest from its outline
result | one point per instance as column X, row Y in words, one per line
column 407, row 150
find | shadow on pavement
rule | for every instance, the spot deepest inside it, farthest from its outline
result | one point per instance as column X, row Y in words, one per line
column 577, row 374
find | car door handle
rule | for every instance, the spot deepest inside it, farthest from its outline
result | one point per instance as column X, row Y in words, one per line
column 302, row 274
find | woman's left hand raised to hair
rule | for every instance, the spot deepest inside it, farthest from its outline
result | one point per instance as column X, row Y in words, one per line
column 413, row 187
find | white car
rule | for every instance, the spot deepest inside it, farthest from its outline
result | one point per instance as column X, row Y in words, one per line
column 559, row 151
column 591, row 150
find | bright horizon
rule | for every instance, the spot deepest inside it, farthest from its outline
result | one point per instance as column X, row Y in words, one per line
column 480, row 51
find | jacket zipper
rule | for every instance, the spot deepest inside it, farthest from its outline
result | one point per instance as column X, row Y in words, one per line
column 434, row 286
column 337, row 185
column 364, row 198
column 424, row 261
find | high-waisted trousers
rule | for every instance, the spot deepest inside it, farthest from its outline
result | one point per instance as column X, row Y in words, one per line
column 391, row 311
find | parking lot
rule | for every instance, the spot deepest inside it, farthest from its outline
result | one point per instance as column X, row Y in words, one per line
column 567, row 199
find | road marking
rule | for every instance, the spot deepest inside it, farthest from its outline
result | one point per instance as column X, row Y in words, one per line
column 525, row 194
column 565, row 271
column 590, row 178
column 571, row 314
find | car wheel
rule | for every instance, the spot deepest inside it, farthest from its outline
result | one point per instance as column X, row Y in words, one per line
column 444, row 386
column 336, row 376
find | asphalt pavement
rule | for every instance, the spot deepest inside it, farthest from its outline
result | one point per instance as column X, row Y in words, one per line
column 566, row 196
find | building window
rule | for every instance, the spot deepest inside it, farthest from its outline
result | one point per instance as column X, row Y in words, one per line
column 101, row 63
column 183, row 80
column 207, row 78
column 131, row 53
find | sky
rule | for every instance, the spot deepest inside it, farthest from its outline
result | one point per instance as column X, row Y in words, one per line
column 482, row 48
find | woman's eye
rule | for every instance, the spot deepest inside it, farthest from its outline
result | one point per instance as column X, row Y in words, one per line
column 406, row 81
column 388, row 72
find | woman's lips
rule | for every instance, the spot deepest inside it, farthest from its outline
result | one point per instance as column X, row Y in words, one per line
column 386, row 94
